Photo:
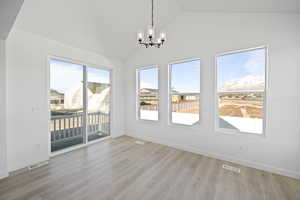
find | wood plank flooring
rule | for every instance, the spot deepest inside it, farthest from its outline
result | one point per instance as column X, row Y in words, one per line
column 119, row 169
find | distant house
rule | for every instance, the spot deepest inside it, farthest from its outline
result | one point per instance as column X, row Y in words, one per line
column 97, row 88
column 241, row 95
column 178, row 97
column 148, row 91
column 148, row 96
column 57, row 100
column 72, row 100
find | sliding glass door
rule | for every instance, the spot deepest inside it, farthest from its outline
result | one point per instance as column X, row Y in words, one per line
column 79, row 104
column 98, row 93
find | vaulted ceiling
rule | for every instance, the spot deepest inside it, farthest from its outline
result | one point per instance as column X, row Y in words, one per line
column 8, row 13
column 105, row 26
column 278, row 6
column 109, row 27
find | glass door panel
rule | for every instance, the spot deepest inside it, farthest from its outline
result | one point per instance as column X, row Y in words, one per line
column 98, row 103
column 66, row 104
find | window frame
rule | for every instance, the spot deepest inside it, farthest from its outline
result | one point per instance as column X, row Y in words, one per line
column 137, row 92
column 216, row 110
column 170, row 95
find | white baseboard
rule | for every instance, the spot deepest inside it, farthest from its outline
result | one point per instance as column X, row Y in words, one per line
column 116, row 136
column 193, row 149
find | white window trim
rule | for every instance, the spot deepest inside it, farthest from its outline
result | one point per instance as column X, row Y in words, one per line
column 137, row 93
column 84, row 64
column 170, row 95
column 237, row 132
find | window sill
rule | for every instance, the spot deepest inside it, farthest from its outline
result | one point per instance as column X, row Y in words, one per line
column 241, row 133
column 150, row 121
column 195, row 126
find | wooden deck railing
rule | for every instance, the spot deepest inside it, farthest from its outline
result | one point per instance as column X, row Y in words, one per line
column 184, row 106
column 68, row 128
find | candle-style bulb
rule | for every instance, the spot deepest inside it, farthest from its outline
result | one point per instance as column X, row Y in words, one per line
column 140, row 36
column 163, row 36
column 151, row 31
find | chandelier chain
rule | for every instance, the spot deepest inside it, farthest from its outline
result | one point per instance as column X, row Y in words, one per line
column 152, row 22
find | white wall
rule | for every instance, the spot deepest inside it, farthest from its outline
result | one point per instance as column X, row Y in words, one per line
column 194, row 35
column 27, row 103
column 3, row 171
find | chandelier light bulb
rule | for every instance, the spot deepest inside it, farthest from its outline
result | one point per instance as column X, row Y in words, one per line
column 163, row 36
column 140, row 36
column 151, row 31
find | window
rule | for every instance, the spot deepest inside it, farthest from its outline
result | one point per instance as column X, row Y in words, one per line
column 241, row 91
column 184, row 92
column 148, row 93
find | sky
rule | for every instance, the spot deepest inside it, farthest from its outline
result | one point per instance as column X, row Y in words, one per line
column 240, row 65
column 149, row 78
column 65, row 76
column 185, row 76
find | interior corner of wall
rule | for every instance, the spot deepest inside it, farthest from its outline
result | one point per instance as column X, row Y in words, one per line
column 117, row 133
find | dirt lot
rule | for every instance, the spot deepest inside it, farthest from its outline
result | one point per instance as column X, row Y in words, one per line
column 241, row 108
column 227, row 107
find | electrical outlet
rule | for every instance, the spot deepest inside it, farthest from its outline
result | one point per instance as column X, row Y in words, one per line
column 231, row 168
column 38, row 165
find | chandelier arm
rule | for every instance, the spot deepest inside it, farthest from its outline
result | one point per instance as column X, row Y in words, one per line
column 150, row 43
column 145, row 43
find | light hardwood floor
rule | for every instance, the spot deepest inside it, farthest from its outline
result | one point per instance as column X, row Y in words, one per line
column 122, row 170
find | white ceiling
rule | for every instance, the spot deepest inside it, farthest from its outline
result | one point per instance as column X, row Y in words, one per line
column 109, row 26
column 8, row 12
column 241, row 5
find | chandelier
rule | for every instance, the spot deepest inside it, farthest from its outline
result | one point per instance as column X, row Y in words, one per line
column 151, row 40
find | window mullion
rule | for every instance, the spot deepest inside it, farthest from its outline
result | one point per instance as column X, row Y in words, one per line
column 85, row 106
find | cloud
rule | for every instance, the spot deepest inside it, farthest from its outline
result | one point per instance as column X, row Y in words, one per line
column 97, row 77
column 147, row 85
column 244, row 84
